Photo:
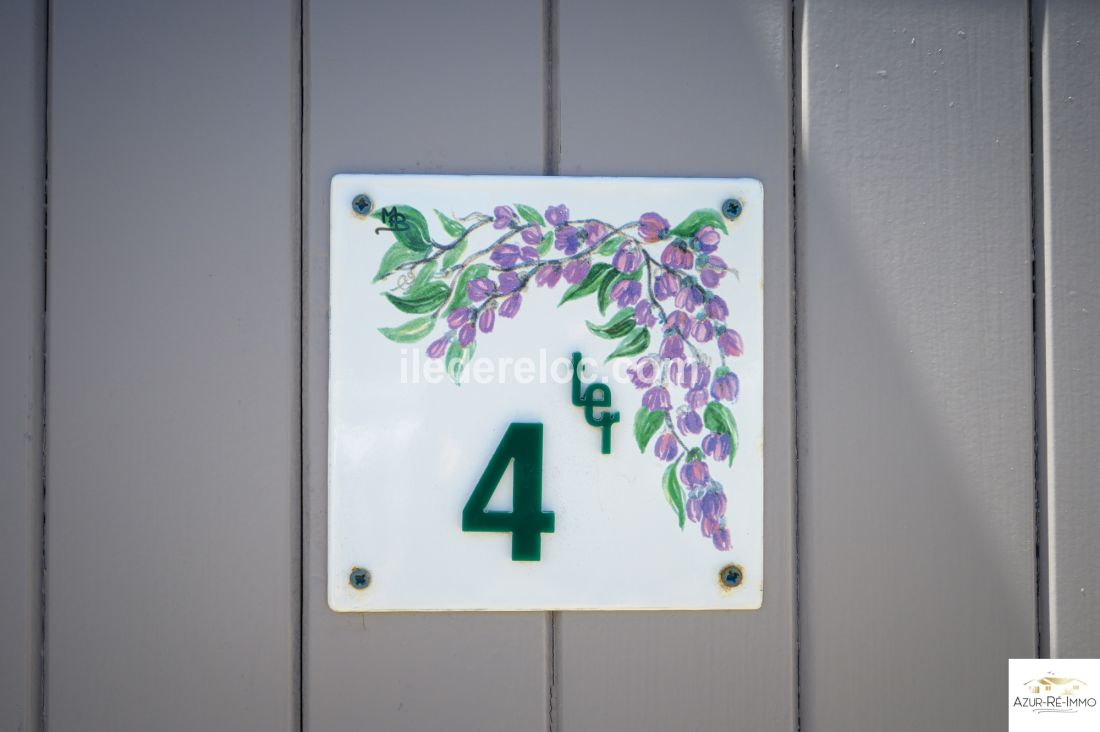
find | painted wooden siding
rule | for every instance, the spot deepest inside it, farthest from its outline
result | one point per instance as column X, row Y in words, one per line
column 712, row 98
column 1067, row 34
column 399, row 87
column 22, row 240
column 172, row 494
column 915, row 420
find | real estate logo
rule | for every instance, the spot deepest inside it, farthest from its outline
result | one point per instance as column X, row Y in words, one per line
column 1053, row 694
column 1057, row 694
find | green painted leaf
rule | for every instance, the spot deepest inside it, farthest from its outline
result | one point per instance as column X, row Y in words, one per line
column 589, row 284
column 620, row 324
column 610, row 246
column 457, row 359
column 547, row 242
column 674, row 494
column 411, row 331
column 427, row 300
column 718, row 418
column 530, row 215
column 452, row 255
column 415, row 235
column 461, row 297
column 699, row 219
column 603, row 293
column 646, row 424
column 423, row 279
column 395, row 255
column 451, row 226
column 632, row 345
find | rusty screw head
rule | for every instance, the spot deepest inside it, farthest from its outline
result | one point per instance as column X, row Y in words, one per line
column 359, row 578
column 731, row 208
column 730, row 576
column 362, row 204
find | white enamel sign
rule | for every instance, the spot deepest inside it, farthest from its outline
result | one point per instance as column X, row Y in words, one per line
column 545, row 393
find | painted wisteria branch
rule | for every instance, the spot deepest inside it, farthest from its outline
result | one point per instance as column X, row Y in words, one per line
column 661, row 278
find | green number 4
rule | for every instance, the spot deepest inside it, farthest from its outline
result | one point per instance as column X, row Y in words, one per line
column 526, row 521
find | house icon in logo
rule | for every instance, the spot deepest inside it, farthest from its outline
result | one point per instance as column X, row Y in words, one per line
column 1055, row 684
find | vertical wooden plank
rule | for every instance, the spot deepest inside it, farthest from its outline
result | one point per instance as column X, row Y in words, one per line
column 691, row 88
column 427, row 88
column 1067, row 33
column 22, row 157
column 915, row 428
column 173, row 408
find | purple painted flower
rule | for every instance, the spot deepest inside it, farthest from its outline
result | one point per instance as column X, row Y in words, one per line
column 708, row 238
column 568, row 240
column 626, row 292
column 694, row 474
column 666, row 286
column 672, row 347
column 709, row 526
column 714, row 504
column 459, row 317
column 656, row 399
column 503, row 217
column 596, row 232
column 643, row 373
column 694, row 509
column 717, row 446
column 689, row 422
column 713, row 271
column 700, row 375
column 529, row 254
column 716, row 308
column 510, row 307
column 548, row 276
column 506, row 255
column 702, row 331
column 577, row 270
column 726, row 387
column 532, row 235
column 678, row 256
column 466, row 335
column 487, row 320
column 627, row 259
column 509, row 282
column 643, row 314
column 652, row 227
column 730, row 343
column 680, row 321
column 689, row 298
column 480, row 288
column 438, row 347
column 677, row 367
column 721, row 539
column 696, row 398
column 666, row 448
column 557, row 215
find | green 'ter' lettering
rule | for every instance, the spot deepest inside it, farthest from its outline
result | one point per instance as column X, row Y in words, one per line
column 596, row 395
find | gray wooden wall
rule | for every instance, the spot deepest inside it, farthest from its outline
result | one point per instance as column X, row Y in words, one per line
column 933, row 300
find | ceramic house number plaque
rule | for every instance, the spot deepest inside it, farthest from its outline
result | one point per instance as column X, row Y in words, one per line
column 545, row 393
